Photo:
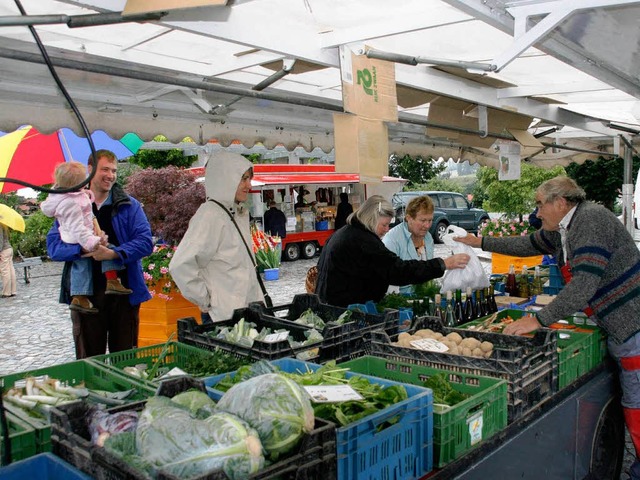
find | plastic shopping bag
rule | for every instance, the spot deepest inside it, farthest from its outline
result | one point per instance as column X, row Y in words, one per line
column 460, row 278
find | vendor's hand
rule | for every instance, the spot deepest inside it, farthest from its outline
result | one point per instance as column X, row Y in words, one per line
column 526, row 324
column 471, row 240
column 102, row 253
column 459, row 260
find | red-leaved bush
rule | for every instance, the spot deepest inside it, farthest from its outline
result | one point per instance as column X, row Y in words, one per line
column 170, row 197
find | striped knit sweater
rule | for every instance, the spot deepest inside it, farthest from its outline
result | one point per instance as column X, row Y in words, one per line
column 605, row 263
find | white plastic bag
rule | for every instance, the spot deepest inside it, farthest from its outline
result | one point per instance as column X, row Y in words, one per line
column 460, row 278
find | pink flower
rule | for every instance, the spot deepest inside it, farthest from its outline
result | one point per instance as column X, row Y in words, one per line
column 151, row 267
column 164, row 270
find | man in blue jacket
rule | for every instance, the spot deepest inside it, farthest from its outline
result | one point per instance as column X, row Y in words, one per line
column 121, row 217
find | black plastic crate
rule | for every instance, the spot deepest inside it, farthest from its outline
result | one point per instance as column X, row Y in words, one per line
column 192, row 333
column 529, row 365
column 314, row 458
column 341, row 342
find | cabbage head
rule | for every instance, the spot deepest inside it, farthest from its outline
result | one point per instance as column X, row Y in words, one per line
column 199, row 403
column 277, row 407
column 170, row 439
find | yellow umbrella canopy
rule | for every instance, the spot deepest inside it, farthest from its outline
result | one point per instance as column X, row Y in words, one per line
column 10, row 218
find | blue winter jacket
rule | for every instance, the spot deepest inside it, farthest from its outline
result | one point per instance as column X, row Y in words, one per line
column 134, row 233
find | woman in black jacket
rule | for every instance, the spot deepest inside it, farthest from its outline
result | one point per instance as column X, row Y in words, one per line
column 355, row 266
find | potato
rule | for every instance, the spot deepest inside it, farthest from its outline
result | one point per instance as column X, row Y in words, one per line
column 403, row 336
column 488, row 354
column 405, row 342
column 437, row 336
column 425, row 333
column 486, row 346
column 477, row 353
column 466, row 351
column 455, row 337
column 454, row 350
column 471, row 342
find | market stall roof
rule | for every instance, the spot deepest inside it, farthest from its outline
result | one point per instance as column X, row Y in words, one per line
column 285, row 174
column 570, row 69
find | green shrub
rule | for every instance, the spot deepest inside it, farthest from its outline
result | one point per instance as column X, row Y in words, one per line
column 33, row 242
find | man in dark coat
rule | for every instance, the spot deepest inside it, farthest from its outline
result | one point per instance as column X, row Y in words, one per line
column 344, row 210
column 275, row 221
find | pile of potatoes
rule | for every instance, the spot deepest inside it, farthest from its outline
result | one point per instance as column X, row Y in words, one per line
column 469, row 347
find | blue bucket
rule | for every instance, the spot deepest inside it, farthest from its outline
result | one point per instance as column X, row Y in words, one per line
column 271, row 273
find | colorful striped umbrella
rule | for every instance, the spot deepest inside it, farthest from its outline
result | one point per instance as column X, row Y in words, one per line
column 29, row 155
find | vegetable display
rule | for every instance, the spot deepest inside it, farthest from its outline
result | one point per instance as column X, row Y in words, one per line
column 40, row 394
column 168, row 438
column 443, row 392
column 454, row 343
column 275, row 406
column 375, row 397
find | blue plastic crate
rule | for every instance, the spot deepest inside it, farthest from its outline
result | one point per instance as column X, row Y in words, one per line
column 44, row 466
column 403, row 450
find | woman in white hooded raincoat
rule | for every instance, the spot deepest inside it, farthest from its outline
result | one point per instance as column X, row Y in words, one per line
column 211, row 266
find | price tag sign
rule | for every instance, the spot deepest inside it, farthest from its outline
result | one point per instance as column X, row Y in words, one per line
column 475, row 427
column 332, row 393
column 430, row 345
column 276, row 337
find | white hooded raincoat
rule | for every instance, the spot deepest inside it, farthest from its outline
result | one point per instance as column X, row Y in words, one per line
column 211, row 265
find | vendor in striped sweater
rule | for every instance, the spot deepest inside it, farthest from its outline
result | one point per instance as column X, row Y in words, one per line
column 600, row 263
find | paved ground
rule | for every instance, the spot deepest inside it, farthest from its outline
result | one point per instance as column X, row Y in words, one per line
column 35, row 329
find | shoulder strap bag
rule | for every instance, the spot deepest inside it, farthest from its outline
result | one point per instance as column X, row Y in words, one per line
column 267, row 298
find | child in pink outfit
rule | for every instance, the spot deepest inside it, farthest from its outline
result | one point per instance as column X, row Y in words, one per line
column 74, row 213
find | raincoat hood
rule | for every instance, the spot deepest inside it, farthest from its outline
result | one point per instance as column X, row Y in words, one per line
column 222, row 176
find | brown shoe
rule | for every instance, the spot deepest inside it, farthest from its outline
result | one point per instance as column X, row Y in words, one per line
column 114, row 287
column 82, row 304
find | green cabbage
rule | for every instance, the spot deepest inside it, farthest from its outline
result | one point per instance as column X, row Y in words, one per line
column 198, row 403
column 277, row 407
column 170, row 439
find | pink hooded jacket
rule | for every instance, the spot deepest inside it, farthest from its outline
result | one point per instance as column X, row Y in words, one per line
column 75, row 215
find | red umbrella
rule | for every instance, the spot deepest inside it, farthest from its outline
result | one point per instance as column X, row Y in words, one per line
column 28, row 155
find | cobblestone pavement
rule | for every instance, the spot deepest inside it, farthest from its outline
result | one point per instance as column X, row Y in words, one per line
column 35, row 329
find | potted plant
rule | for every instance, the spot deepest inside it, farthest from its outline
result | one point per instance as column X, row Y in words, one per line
column 499, row 227
column 267, row 250
column 155, row 269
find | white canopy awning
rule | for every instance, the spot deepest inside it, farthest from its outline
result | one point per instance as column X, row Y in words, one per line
column 569, row 66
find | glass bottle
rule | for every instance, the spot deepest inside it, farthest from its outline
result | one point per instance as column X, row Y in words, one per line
column 511, row 287
column 477, row 305
column 457, row 308
column 437, row 307
column 486, row 303
column 467, row 309
column 536, row 285
column 492, row 299
column 449, row 316
column 523, row 284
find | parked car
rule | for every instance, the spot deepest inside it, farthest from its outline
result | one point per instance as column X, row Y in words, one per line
column 451, row 208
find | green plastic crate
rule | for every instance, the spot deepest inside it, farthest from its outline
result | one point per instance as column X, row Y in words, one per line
column 178, row 355
column 74, row 373
column 574, row 356
column 456, row 429
column 598, row 339
column 22, row 438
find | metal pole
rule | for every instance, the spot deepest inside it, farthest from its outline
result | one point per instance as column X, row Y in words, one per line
column 75, row 21
column 627, row 187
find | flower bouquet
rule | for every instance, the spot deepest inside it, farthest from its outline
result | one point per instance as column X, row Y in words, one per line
column 266, row 248
column 155, row 270
column 505, row 228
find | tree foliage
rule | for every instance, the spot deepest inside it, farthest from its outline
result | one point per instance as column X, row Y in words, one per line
column 514, row 197
column 602, row 179
column 170, row 197
column 33, row 242
column 416, row 170
column 163, row 158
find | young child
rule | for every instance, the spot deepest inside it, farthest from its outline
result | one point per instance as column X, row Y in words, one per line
column 74, row 213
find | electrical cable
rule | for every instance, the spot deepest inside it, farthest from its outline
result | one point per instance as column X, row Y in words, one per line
column 85, row 129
